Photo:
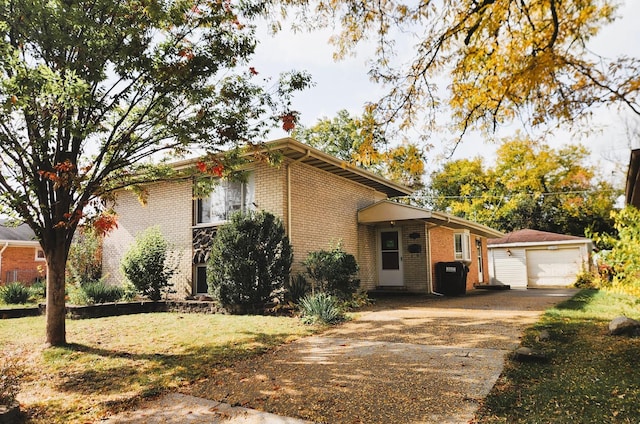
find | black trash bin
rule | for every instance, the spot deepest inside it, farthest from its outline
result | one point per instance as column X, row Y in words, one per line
column 451, row 278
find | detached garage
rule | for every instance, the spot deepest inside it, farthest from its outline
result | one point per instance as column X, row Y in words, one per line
column 531, row 258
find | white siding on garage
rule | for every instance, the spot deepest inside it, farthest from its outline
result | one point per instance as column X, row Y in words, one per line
column 553, row 267
column 508, row 268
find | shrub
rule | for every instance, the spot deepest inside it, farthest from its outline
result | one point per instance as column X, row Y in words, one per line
column 15, row 293
column 9, row 379
column 297, row 288
column 333, row 271
column 145, row 264
column 357, row 301
column 250, row 260
column 585, row 280
column 99, row 292
column 618, row 268
column 38, row 290
column 84, row 264
column 321, row 308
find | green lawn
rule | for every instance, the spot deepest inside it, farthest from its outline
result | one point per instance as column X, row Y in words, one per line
column 590, row 377
column 17, row 305
column 112, row 362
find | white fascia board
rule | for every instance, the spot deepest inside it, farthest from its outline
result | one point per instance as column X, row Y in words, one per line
column 542, row 243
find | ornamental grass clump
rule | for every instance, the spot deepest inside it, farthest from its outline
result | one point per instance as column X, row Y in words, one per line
column 321, row 308
column 100, row 292
column 15, row 293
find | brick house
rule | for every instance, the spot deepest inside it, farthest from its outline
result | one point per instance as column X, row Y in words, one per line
column 321, row 200
column 21, row 257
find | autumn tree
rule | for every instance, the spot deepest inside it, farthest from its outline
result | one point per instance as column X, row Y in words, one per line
column 361, row 141
column 486, row 62
column 93, row 93
column 531, row 186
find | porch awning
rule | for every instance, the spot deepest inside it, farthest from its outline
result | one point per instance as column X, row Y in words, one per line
column 388, row 211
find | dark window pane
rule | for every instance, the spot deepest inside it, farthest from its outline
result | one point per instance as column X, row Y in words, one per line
column 389, row 240
column 390, row 260
column 201, row 280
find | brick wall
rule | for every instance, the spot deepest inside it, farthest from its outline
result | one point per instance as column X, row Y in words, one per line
column 169, row 206
column 271, row 189
column 442, row 250
column 21, row 265
column 414, row 264
column 367, row 259
column 324, row 211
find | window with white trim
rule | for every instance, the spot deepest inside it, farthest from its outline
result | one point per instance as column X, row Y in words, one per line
column 227, row 197
column 40, row 255
column 462, row 246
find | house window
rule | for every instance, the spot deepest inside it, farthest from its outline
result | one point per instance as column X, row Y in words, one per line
column 40, row 255
column 201, row 286
column 462, row 249
column 228, row 197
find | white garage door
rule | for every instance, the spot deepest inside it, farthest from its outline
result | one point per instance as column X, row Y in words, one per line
column 553, row 267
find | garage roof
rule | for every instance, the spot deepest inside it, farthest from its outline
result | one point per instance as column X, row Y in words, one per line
column 527, row 236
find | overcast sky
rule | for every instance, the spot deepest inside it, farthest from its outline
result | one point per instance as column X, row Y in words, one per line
column 345, row 85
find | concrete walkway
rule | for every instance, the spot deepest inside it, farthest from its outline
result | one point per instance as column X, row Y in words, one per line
column 405, row 360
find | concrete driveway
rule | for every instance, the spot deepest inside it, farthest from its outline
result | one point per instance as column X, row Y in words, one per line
column 404, row 360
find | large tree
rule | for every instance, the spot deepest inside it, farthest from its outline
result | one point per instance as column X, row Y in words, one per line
column 360, row 141
column 94, row 91
column 531, row 186
column 496, row 59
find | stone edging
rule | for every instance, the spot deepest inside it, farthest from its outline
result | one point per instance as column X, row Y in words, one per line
column 120, row 308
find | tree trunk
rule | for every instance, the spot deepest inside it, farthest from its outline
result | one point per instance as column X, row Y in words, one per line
column 56, row 264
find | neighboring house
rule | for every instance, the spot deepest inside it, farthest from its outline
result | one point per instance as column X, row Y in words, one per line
column 632, row 189
column 321, row 200
column 531, row 258
column 21, row 257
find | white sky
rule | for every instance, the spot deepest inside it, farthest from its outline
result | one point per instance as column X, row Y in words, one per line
column 346, row 85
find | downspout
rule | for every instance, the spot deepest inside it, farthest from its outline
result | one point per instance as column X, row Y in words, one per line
column 289, row 221
column 6, row 244
column 431, row 290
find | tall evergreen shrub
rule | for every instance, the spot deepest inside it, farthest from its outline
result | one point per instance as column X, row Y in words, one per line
column 250, row 260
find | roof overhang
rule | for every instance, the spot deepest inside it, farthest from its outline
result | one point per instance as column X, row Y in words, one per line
column 586, row 241
column 388, row 211
column 19, row 243
column 632, row 189
column 299, row 152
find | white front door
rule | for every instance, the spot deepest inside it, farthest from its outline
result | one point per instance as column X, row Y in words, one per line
column 390, row 242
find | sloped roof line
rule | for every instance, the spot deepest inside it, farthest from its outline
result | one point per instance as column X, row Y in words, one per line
column 388, row 210
column 534, row 236
column 21, row 233
column 304, row 153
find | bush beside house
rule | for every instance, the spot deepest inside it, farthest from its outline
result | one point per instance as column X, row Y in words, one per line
column 145, row 264
column 250, row 260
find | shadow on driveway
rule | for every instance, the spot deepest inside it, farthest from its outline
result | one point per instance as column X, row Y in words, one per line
column 404, row 360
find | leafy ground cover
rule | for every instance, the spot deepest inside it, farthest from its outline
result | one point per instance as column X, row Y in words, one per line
column 590, row 376
column 116, row 361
